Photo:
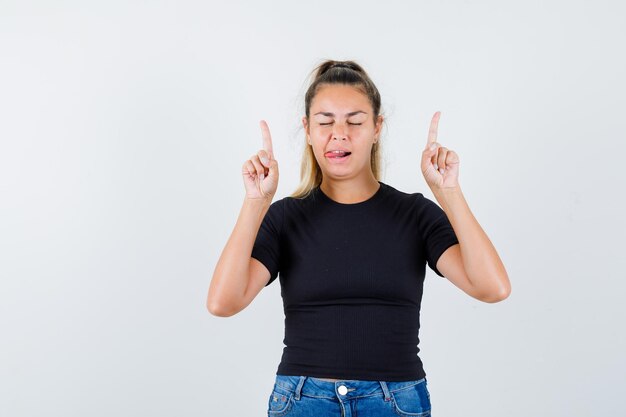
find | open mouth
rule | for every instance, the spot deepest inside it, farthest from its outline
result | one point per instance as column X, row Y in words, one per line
column 337, row 154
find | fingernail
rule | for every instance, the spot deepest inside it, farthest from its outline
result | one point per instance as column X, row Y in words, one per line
column 265, row 160
column 441, row 170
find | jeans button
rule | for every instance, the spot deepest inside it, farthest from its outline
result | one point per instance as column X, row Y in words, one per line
column 343, row 390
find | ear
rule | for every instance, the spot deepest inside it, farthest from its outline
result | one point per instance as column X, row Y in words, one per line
column 378, row 128
column 305, row 124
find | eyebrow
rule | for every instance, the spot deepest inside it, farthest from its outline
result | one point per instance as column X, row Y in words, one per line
column 328, row 114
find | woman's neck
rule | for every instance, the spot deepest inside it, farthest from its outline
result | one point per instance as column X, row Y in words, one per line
column 350, row 191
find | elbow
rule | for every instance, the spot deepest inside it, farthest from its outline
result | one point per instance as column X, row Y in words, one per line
column 494, row 298
column 221, row 310
column 497, row 296
column 220, row 304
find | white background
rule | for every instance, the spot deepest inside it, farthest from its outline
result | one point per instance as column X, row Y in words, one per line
column 123, row 129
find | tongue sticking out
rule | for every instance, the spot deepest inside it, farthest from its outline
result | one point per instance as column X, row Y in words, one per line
column 339, row 154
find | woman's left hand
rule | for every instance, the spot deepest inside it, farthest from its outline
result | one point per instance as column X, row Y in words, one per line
column 440, row 165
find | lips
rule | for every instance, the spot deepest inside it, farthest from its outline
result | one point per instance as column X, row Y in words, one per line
column 338, row 153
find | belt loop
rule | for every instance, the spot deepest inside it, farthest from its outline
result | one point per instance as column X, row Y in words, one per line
column 383, row 384
column 299, row 387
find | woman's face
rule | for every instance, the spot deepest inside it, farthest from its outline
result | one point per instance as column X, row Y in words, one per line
column 341, row 119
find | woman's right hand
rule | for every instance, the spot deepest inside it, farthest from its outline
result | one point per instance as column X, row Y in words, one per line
column 260, row 172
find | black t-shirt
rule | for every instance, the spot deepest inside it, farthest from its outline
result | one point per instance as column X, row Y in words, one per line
column 351, row 279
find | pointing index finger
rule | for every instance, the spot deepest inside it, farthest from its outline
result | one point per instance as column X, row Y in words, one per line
column 267, row 138
column 432, row 132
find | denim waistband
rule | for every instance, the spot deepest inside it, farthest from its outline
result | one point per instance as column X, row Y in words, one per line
column 318, row 388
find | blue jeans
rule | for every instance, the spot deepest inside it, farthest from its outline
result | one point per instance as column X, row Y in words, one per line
column 302, row 396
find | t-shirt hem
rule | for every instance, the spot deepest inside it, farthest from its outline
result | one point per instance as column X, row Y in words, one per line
column 440, row 252
column 266, row 260
column 351, row 375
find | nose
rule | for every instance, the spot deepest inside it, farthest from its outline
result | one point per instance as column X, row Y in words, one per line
column 339, row 131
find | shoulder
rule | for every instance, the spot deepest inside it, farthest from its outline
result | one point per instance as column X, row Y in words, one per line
column 276, row 206
column 287, row 208
column 296, row 204
column 424, row 210
column 415, row 199
column 275, row 214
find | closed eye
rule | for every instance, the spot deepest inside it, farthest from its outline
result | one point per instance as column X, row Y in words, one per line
column 330, row 123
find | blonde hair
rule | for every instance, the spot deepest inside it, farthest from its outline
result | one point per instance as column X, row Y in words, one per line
column 336, row 72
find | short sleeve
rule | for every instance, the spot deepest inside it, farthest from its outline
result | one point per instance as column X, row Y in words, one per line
column 266, row 247
column 437, row 231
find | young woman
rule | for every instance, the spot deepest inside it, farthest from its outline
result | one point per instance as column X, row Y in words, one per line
column 352, row 252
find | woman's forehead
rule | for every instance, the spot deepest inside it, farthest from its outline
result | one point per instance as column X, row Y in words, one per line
column 340, row 99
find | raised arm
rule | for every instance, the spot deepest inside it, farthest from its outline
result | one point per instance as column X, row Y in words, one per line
column 238, row 277
column 473, row 265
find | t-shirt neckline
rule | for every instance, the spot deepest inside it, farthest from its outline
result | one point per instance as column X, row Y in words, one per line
column 370, row 200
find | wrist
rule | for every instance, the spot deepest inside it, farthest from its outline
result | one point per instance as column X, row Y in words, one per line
column 263, row 202
column 446, row 191
column 447, row 196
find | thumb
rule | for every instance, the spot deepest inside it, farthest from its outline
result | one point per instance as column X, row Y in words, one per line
column 273, row 168
column 428, row 153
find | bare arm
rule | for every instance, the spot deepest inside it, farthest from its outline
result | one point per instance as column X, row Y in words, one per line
column 238, row 277
column 473, row 265
column 234, row 286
